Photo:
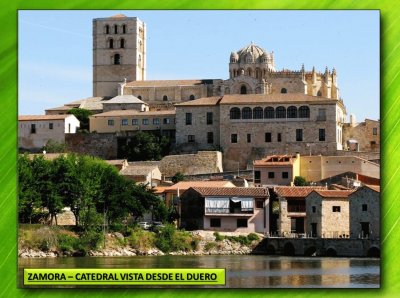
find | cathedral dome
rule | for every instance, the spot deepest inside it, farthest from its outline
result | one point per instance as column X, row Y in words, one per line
column 250, row 52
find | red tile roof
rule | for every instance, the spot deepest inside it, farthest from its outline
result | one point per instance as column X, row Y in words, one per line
column 334, row 193
column 116, row 113
column 275, row 160
column 204, row 101
column 376, row 188
column 42, row 117
column 184, row 185
column 232, row 191
column 296, row 191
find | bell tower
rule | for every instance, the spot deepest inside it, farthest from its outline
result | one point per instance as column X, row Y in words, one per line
column 119, row 53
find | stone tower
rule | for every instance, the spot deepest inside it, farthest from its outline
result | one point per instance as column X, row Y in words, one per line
column 119, row 53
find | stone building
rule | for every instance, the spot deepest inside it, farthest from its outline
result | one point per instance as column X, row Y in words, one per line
column 236, row 209
column 362, row 136
column 328, row 214
column 34, row 131
column 365, row 212
column 119, row 53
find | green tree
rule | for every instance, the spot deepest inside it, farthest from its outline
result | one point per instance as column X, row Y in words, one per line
column 300, row 181
column 178, row 177
column 146, row 146
column 54, row 147
column 83, row 117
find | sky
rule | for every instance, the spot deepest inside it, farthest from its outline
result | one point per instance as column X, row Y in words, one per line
column 55, row 49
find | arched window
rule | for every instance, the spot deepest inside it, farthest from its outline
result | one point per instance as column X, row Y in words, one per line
column 107, row 29
column 111, row 43
column 191, row 97
column 123, row 29
column 235, row 113
column 319, row 93
column 292, row 112
column 115, row 29
column 165, row 98
column 246, row 113
column 257, row 113
column 117, row 59
column 249, row 72
column 280, row 112
column 283, row 90
column 243, row 89
column 269, row 113
column 304, row 112
column 122, row 43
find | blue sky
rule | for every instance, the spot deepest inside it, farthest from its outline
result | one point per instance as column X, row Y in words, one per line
column 55, row 49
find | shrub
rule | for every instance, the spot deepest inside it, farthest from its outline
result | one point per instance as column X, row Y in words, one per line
column 218, row 237
column 170, row 239
column 141, row 239
column 67, row 242
column 253, row 236
column 209, row 246
column 90, row 239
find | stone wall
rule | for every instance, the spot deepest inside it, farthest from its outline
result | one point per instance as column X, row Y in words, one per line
column 367, row 134
column 190, row 164
column 100, row 145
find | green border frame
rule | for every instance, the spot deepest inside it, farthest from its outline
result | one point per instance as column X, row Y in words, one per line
column 390, row 140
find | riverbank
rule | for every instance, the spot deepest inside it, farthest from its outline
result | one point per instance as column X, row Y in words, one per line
column 47, row 242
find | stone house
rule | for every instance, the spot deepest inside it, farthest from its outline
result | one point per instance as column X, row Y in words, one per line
column 328, row 214
column 365, row 212
column 34, row 131
column 292, row 208
column 276, row 170
column 235, row 209
column 143, row 172
column 125, row 102
column 362, row 136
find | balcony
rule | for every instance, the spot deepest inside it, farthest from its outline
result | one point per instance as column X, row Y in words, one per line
column 229, row 211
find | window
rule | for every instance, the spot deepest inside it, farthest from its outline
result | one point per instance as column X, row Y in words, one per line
column 246, row 113
column 299, row 135
column 135, row 122
column 234, row 138
column 304, row 112
column 33, row 128
column 364, row 207
column 335, row 208
column 283, row 90
column 269, row 113
column 322, row 134
column 156, row 121
column 123, row 29
column 271, row 175
column 190, row 138
column 165, row 98
column 122, row 43
column 191, row 97
column 248, row 138
column 321, row 115
column 115, row 29
column 285, row 175
column 124, row 122
column 375, row 131
column 235, row 113
column 292, row 112
column 51, row 125
column 257, row 113
column 279, row 137
column 268, row 137
column 319, row 93
column 145, row 121
column 140, row 97
column 111, row 122
column 166, row 121
column 111, row 43
column 188, row 119
column 117, row 59
column 209, row 118
column 243, row 90
column 259, row 204
column 280, row 112
column 241, row 223
column 210, row 137
column 215, row 222
column 257, row 177
column 314, row 209
column 107, row 29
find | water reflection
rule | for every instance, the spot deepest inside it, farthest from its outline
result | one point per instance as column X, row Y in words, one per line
column 244, row 271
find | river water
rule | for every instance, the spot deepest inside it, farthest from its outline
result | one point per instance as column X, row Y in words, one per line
column 242, row 271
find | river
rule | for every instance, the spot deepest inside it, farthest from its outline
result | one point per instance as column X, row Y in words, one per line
column 248, row 271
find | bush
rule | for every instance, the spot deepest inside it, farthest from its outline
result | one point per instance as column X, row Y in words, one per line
column 218, row 237
column 67, row 243
column 141, row 239
column 170, row 239
column 253, row 237
column 90, row 239
column 209, row 246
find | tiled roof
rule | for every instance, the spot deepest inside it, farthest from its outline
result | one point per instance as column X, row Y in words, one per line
column 124, row 99
column 376, row 188
column 42, row 117
column 137, row 170
column 287, row 98
column 204, row 101
column 183, row 185
column 116, row 113
column 334, row 193
column 115, row 161
column 275, row 160
column 166, row 83
column 232, row 191
column 63, row 108
column 296, row 191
